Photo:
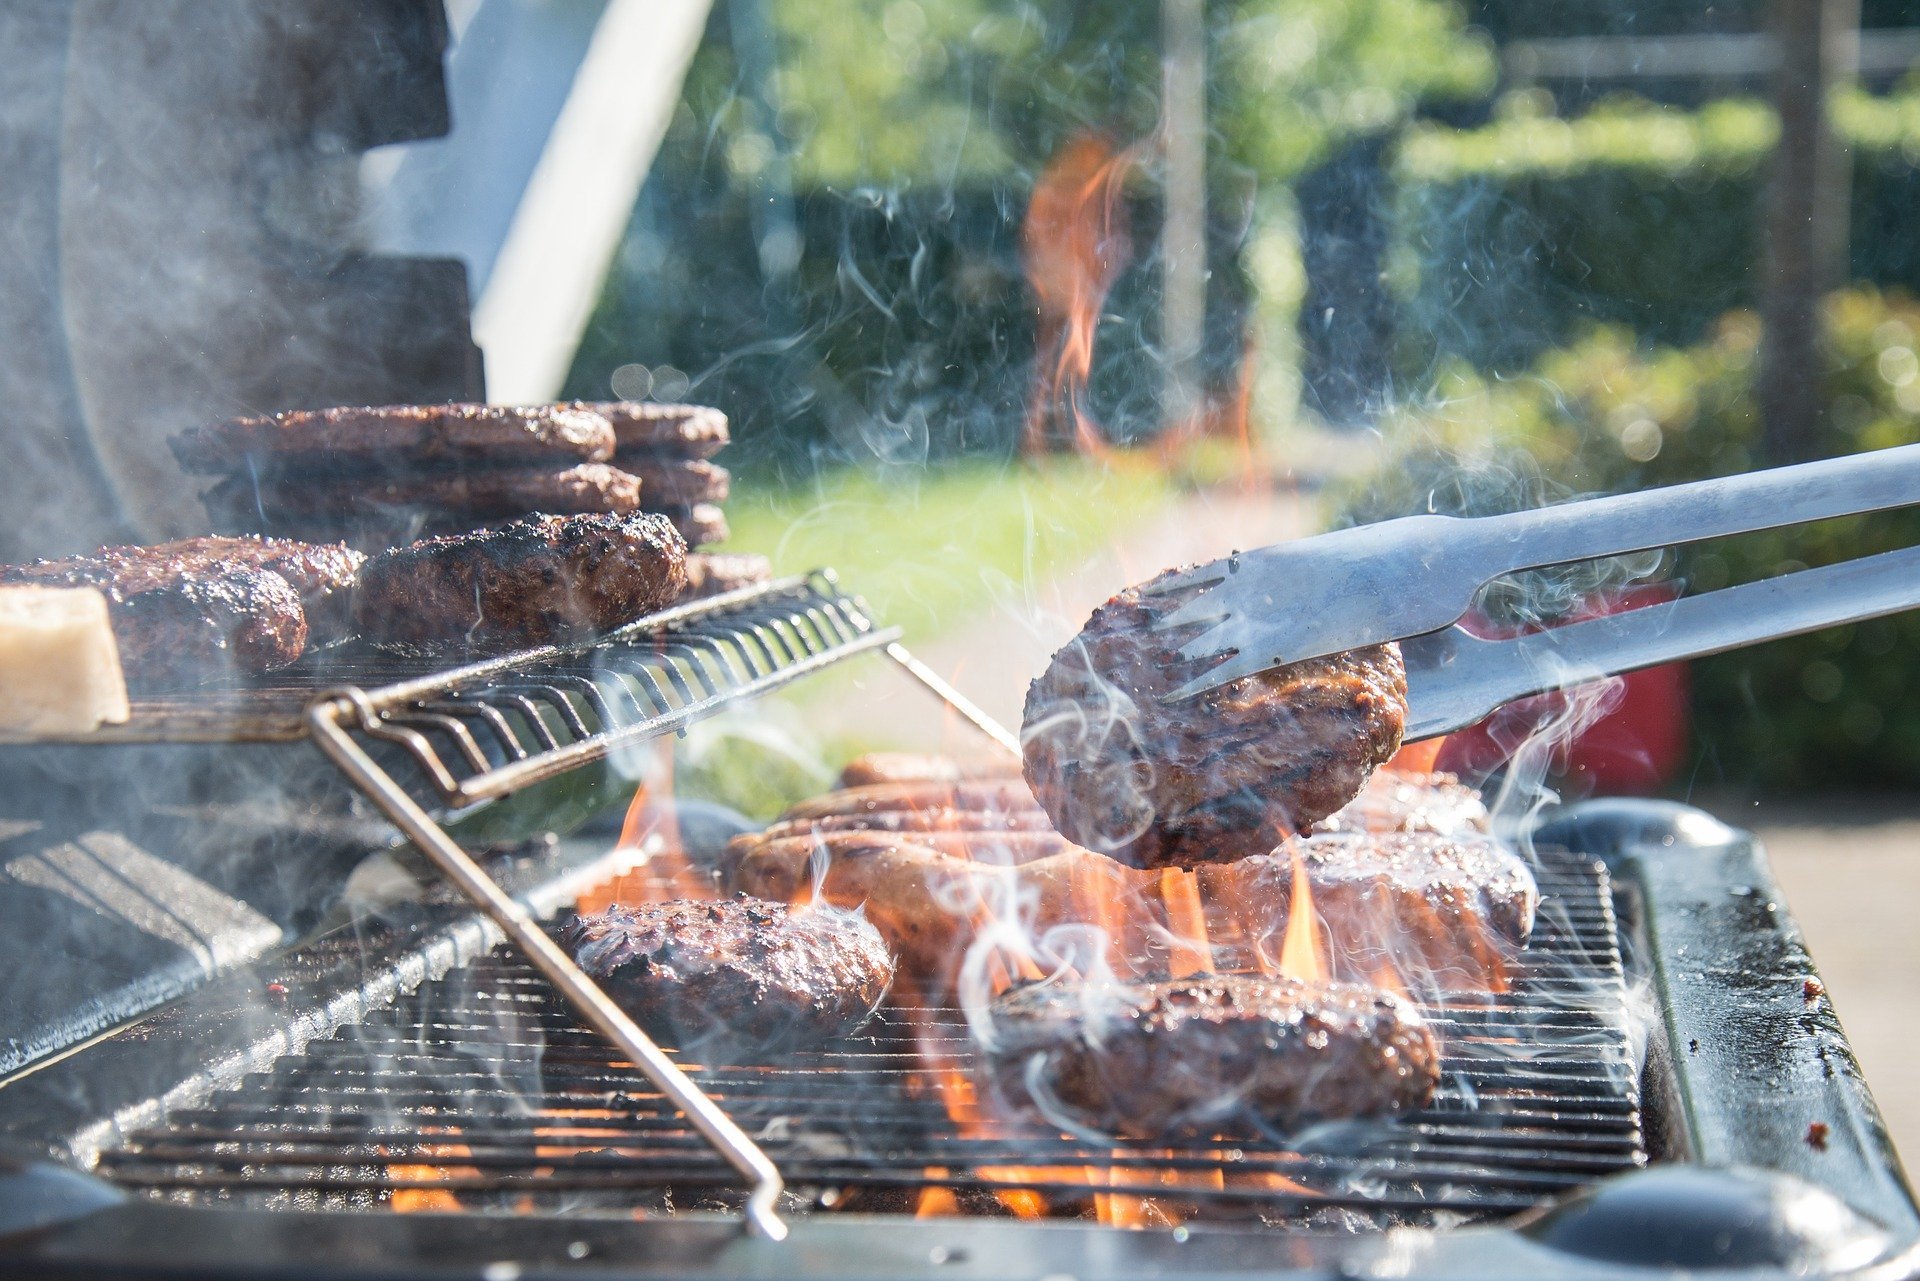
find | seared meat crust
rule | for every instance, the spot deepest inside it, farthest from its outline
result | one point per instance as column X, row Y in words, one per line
column 741, row 977
column 1196, row 1053
column 470, row 496
column 1395, row 802
column 920, row 767
column 715, row 573
column 679, row 482
column 1213, row 778
column 527, row 582
column 647, row 429
column 396, row 438
column 199, row 610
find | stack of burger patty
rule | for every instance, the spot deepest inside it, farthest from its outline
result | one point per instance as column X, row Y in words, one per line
column 380, row 477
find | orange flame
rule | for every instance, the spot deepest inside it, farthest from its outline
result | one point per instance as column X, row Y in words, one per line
column 1417, row 758
column 1301, row 953
column 1075, row 244
column 1191, row 951
column 430, row 1200
column 651, row 818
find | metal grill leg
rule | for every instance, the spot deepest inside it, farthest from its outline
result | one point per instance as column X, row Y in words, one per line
column 324, row 720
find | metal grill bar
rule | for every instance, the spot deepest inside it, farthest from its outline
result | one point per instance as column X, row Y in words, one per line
column 484, row 1088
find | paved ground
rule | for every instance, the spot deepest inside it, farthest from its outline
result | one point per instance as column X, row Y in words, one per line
column 1854, row 885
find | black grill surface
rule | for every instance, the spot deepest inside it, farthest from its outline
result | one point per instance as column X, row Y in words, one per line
column 481, row 1092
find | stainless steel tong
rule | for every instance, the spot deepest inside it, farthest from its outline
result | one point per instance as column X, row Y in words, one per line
column 1412, row 579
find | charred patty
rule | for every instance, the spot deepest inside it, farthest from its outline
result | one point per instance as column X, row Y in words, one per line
column 533, row 581
column 1395, row 802
column 1212, row 778
column 471, row 496
column 715, row 573
column 740, row 977
column 204, row 609
column 1208, row 1052
column 646, row 429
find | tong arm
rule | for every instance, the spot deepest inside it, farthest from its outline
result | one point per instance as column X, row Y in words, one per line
column 1405, row 577
column 1454, row 679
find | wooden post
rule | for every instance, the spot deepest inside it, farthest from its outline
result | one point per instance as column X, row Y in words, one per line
column 1807, row 210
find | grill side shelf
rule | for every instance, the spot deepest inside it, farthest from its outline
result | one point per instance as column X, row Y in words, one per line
column 478, row 733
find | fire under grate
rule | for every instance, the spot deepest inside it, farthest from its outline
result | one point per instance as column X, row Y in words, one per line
column 482, row 1092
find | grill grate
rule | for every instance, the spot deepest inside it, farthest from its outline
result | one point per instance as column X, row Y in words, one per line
column 481, row 1091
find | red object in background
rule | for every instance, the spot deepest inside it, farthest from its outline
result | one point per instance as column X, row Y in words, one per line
column 1636, row 746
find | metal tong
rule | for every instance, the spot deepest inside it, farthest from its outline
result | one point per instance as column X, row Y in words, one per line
column 1412, row 579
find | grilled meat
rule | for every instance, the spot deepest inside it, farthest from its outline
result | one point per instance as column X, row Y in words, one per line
column 645, row 429
column 526, row 582
column 944, row 819
column 928, row 904
column 679, row 482
column 713, row 574
column 469, row 496
column 735, row 978
column 202, row 609
column 1202, row 1053
column 1442, row 913
column 702, row 524
column 1213, row 778
column 1395, row 802
column 919, row 767
column 979, row 844
column 396, row 438
column 1003, row 796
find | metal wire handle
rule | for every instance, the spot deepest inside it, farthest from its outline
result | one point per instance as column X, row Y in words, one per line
column 324, row 719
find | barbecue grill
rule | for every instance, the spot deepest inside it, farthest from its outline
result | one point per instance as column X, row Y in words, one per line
column 1666, row 1021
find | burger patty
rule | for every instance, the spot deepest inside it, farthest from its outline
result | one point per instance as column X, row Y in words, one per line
column 740, row 976
column 1442, row 913
column 1211, row 778
column 921, row 767
column 646, row 429
column 1395, row 802
column 702, row 524
column 203, row 609
column 1194, row 1054
column 527, row 582
column 716, row 573
column 395, row 438
column 679, row 482
column 471, row 495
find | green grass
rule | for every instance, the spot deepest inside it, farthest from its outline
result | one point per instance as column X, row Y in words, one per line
column 931, row 549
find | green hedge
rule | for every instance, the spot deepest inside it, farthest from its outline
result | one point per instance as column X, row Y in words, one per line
column 1514, row 236
column 1838, row 709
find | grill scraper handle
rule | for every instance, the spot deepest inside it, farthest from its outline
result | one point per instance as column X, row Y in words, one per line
column 1407, row 577
column 1455, row 679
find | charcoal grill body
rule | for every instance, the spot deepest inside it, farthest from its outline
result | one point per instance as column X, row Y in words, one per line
column 1742, row 1062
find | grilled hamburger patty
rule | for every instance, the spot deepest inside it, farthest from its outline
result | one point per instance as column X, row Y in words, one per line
column 1191, row 1054
column 527, row 582
column 1395, row 802
column 742, row 975
column 396, row 438
column 1212, row 778
column 196, row 610
column 714, row 573
column 679, row 482
column 647, row 429
column 470, row 495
